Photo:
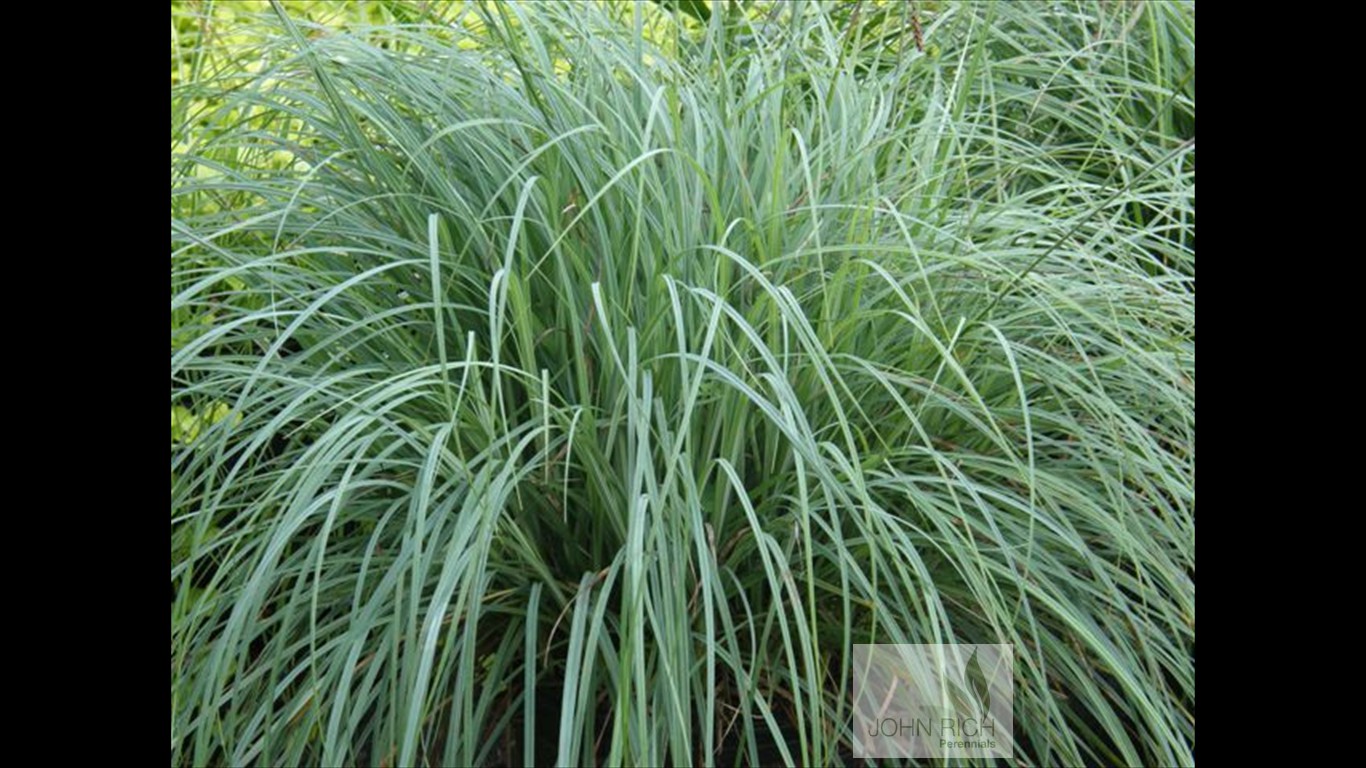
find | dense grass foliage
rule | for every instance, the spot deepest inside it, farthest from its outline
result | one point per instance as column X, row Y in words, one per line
column 578, row 382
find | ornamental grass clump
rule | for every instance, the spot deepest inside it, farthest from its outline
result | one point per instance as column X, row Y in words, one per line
column 578, row 382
